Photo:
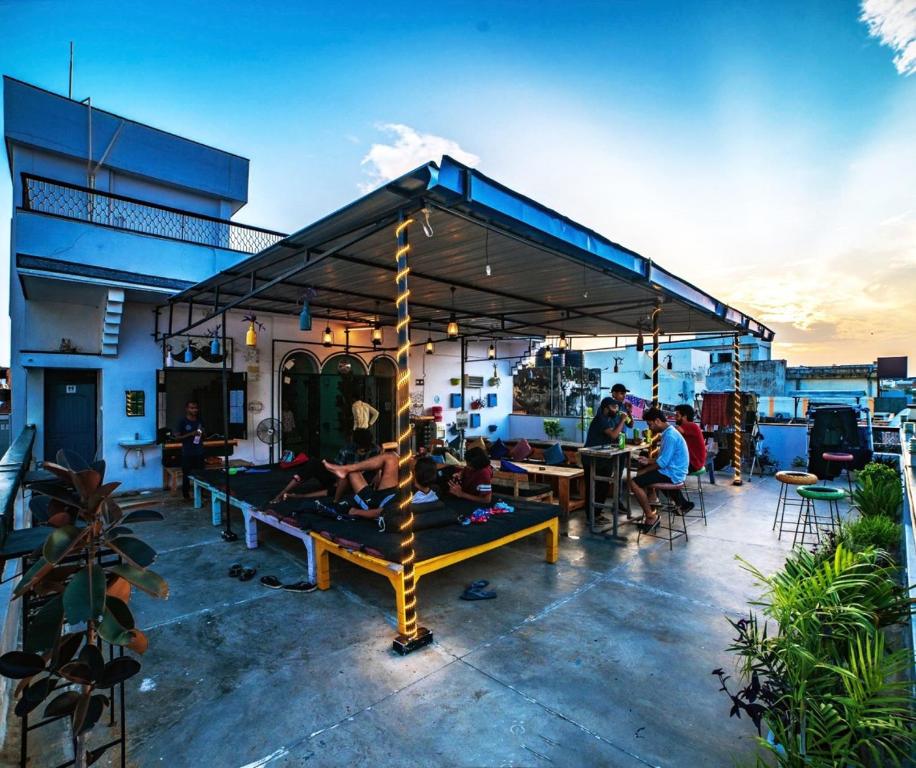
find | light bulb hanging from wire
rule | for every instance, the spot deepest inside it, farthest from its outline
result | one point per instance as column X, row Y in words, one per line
column 452, row 330
column 327, row 338
column 486, row 250
column 376, row 329
column 430, row 347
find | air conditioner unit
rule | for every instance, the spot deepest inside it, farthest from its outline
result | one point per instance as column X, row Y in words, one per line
column 473, row 382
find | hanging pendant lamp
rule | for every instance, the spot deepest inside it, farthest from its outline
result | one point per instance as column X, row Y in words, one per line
column 327, row 338
column 452, row 330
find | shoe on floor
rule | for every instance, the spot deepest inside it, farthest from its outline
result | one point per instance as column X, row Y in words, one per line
column 300, row 586
column 688, row 506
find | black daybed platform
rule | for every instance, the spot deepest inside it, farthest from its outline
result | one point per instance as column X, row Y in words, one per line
column 440, row 540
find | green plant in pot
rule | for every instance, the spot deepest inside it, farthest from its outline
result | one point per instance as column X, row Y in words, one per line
column 83, row 595
column 824, row 684
column 553, row 429
column 878, row 492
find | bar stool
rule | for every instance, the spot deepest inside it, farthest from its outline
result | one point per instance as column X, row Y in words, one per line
column 698, row 474
column 670, row 508
column 787, row 478
column 844, row 459
column 808, row 514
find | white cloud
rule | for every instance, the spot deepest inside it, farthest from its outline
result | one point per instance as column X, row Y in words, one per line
column 893, row 22
column 409, row 149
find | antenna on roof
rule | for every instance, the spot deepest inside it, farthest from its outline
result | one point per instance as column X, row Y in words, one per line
column 70, row 86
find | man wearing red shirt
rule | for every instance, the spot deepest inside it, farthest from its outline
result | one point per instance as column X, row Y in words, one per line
column 693, row 436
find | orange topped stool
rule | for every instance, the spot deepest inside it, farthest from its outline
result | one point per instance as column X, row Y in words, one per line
column 789, row 478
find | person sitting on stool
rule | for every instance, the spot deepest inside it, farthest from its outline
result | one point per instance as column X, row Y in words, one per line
column 670, row 466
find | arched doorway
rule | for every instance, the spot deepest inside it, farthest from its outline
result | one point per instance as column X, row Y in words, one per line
column 382, row 392
column 299, row 403
column 343, row 380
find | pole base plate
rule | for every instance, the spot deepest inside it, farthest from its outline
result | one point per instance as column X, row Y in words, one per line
column 404, row 645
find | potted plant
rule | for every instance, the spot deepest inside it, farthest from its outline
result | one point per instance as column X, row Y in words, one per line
column 83, row 601
column 553, row 428
column 824, row 684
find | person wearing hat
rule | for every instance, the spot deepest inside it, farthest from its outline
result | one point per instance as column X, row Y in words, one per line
column 619, row 393
column 605, row 429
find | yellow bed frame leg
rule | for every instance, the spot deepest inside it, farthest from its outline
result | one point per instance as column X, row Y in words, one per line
column 397, row 582
column 553, row 541
column 322, row 565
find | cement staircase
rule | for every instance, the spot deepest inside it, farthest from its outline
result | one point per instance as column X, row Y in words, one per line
column 111, row 323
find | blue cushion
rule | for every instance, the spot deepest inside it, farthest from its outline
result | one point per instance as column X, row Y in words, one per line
column 554, row 455
column 499, row 450
column 437, row 459
column 508, row 466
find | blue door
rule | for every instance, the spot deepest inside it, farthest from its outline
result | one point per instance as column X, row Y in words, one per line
column 71, row 413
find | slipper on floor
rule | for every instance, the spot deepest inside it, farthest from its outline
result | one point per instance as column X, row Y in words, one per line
column 235, row 570
column 477, row 594
column 271, row 581
column 300, row 586
column 247, row 574
column 478, row 584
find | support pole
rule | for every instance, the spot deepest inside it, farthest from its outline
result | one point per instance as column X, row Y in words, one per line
column 736, row 369
column 414, row 636
column 656, row 399
column 228, row 534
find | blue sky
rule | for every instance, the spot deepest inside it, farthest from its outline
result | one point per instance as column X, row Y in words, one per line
column 759, row 148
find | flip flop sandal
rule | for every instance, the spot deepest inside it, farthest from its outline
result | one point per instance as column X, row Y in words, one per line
column 300, row 586
column 478, row 584
column 477, row 594
column 271, row 581
column 247, row 574
column 235, row 570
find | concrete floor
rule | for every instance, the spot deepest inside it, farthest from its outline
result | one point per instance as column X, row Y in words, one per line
column 603, row 659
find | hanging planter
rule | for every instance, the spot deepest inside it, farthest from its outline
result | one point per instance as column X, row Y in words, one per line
column 251, row 335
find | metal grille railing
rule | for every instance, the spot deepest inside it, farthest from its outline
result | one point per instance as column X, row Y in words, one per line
column 58, row 198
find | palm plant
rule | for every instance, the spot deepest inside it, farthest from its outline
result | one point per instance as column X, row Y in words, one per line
column 82, row 581
column 824, row 683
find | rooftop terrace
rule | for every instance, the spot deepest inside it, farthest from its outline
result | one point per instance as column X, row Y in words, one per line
column 601, row 659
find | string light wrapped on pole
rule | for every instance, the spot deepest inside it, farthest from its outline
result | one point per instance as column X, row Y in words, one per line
column 656, row 446
column 736, row 368
column 414, row 636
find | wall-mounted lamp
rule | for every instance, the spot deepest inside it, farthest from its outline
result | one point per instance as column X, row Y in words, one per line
column 617, row 361
column 669, row 365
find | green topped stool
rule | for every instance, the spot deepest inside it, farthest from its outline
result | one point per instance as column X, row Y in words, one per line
column 786, row 479
column 698, row 474
column 809, row 519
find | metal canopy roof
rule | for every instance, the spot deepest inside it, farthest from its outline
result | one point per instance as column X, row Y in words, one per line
column 549, row 274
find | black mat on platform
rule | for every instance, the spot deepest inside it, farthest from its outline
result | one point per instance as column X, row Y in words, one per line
column 255, row 488
column 258, row 489
column 432, row 542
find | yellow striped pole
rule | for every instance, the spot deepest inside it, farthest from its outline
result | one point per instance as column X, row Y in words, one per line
column 653, row 453
column 736, row 368
column 414, row 637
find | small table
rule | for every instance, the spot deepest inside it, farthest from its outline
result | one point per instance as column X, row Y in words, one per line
column 136, row 446
column 616, row 455
column 562, row 475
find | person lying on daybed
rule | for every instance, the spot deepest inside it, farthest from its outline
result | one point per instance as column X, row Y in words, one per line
column 474, row 482
column 359, row 448
column 366, row 501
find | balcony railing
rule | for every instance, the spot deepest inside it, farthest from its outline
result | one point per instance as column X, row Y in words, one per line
column 70, row 201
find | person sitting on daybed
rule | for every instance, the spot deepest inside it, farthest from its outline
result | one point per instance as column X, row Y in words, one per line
column 369, row 502
column 474, row 482
column 360, row 447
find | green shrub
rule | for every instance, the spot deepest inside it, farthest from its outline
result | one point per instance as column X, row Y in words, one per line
column 878, row 498
column 824, row 683
column 877, row 473
column 876, row 532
